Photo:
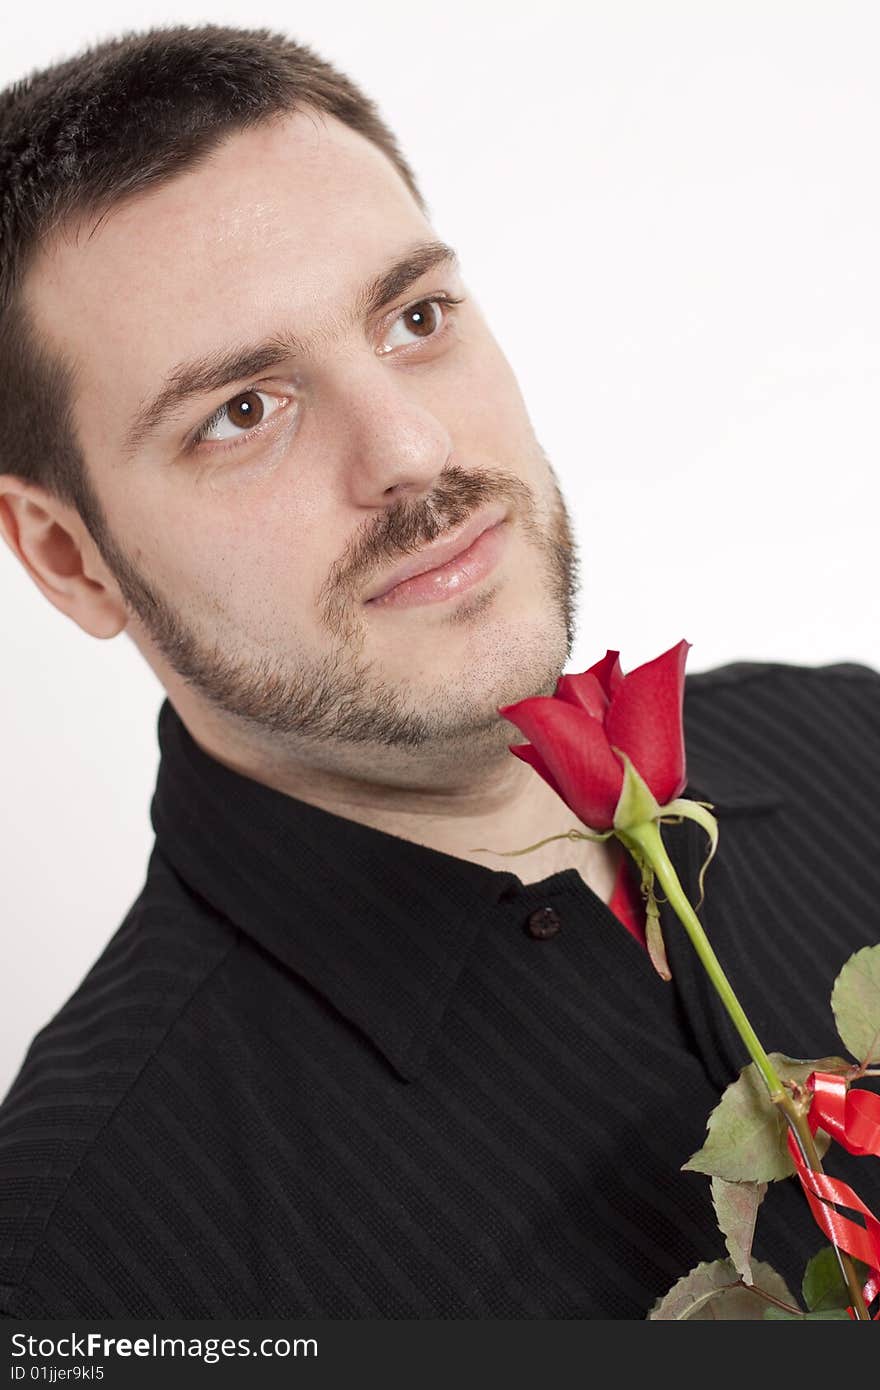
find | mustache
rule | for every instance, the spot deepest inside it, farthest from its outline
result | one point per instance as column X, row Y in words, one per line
column 412, row 525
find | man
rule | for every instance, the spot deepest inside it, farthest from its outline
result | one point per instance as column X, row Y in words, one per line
column 341, row 1059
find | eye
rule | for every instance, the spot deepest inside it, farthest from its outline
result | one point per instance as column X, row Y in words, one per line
column 239, row 416
column 424, row 319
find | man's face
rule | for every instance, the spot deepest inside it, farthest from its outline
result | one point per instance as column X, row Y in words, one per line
column 244, row 557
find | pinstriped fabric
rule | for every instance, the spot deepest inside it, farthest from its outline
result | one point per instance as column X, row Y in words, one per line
column 85, row 1058
column 320, row 1070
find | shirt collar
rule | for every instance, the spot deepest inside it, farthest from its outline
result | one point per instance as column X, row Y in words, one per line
column 380, row 926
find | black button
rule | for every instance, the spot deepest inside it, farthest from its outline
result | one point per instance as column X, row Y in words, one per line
column 543, row 923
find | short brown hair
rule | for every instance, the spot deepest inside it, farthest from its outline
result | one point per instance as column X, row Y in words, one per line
column 80, row 136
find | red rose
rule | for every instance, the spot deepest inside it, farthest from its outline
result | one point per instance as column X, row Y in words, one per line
column 579, row 733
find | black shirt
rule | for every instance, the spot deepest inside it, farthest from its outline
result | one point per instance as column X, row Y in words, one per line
column 322, row 1071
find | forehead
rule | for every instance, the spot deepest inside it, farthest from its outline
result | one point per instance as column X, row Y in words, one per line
column 286, row 218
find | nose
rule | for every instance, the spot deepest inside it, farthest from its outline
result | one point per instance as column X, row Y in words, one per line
column 396, row 443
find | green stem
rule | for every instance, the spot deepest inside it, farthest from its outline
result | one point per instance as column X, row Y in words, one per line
column 649, row 841
column 648, row 838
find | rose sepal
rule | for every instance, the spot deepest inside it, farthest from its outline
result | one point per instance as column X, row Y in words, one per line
column 699, row 811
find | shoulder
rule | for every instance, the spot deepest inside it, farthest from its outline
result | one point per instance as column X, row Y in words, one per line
column 804, row 733
column 93, row 1052
column 761, row 676
column 756, row 701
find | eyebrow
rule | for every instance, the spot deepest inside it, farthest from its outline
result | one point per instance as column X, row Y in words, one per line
column 224, row 366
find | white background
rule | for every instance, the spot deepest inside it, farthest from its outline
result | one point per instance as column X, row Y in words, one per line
column 669, row 213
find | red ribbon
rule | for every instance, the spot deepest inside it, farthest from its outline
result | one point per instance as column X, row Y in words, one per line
column 851, row 1117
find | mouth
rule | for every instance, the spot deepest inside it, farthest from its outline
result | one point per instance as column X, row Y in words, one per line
column 449, row 565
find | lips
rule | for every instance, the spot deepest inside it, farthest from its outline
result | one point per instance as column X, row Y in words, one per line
column 440, row 552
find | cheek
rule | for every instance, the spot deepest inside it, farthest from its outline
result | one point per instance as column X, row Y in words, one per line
column 253, row 552
column 490, row 404
column 273, row 561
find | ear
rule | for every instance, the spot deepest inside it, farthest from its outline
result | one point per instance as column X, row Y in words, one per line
column 54, row 548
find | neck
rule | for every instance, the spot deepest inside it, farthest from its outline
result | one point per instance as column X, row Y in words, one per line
column 501, row 804
column 511, row 811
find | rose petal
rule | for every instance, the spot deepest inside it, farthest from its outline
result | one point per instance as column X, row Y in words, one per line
column 645, row 720
column 583, row 690
column 529, row 754
column 575, row 750
column 608, row 673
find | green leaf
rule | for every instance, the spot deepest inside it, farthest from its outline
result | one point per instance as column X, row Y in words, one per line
column 855, row 1000
column 713, row 1292
column 747, row 1132
column 736, row 1207
column 824, row 1287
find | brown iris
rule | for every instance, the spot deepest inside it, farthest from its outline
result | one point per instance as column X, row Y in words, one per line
column 419, row 321
column 245, row 410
